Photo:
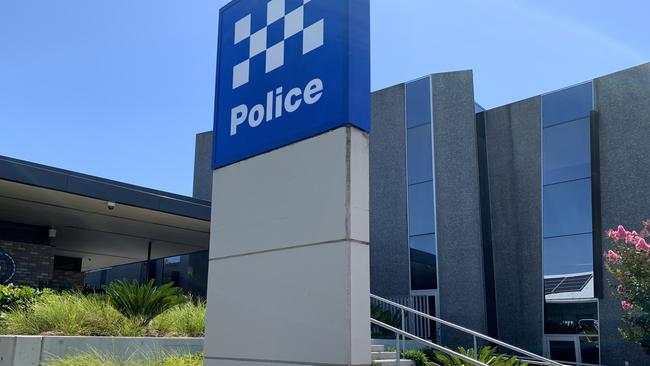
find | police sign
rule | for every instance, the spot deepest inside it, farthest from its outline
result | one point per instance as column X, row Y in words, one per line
column 289, row 70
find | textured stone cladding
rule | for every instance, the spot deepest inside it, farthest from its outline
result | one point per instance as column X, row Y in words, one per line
column 458, row 221
column 514, row 161
column 623, row 104
column 34, row 263
column 389, row 248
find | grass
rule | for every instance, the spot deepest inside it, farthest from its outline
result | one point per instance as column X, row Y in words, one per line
column 98, row 359
column 185, row 320
column 73, row 314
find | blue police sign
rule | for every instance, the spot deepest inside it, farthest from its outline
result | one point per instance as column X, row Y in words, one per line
column 289, row 70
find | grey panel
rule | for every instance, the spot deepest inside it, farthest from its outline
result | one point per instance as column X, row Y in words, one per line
column 203, row 166
column 389, row 249
column 461, row 277
column 623, row 103
column 514, row 159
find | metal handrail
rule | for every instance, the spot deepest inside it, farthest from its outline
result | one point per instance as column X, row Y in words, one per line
column 472, row 332
column 427, row 343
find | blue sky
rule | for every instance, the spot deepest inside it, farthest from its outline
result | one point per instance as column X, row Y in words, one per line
column 119, row 88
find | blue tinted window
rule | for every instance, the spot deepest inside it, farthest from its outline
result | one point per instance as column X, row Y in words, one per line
column 567, row 208
column 418, row 102
column 568, row 255
column 419, row 154
column 567, row 105
column 423, row 270
column 424, row 243
column 567, row 153
column 421, row 212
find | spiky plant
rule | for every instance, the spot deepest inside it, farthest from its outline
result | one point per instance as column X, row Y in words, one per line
column 486, row 355
column 143, row 302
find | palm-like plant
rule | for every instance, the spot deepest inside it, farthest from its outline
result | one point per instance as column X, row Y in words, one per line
column 486, row 355
column 143, row 302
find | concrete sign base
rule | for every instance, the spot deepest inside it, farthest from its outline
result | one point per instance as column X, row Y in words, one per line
column 289, row 258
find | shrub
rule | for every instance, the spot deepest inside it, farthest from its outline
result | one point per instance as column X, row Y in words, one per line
column 486, row 355
column 70, row 314
column 185, row 320
column 19, row 297
column 143, row 302
column 99, row 359
column 629, row 263
column 418, row 357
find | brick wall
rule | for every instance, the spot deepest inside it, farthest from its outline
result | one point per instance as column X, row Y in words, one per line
column 34, row 263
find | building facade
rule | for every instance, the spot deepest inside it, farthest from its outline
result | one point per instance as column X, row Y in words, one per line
column 494, row 219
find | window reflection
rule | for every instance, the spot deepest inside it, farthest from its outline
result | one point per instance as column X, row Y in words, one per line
column 567, row 105
column 567, row 153
column 568, row 255
column 419, row 154
column 421, row 211
column 567, row 208
column 423, row 270
column 424, row 243
column 418, row 102
column 571, row 318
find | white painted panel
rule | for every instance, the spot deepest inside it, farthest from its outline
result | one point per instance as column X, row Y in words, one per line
column 291, row 196
column 292, row 305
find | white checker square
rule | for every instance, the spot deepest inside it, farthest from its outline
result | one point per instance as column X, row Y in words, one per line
column 240, row 74
column 313, row 36
column 294, row 22
column 274, row 11
column 243, row 29
column 258, row 42
column 275, row 56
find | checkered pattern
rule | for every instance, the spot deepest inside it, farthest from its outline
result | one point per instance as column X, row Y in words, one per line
column 294, row 24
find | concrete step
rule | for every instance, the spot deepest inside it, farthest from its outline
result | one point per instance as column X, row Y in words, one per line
column 392, row 362
column 377, row 348
column 383, row 355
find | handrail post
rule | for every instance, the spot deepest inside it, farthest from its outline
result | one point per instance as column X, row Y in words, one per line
column 403, row 328
column 398, row 352
column 475, row 349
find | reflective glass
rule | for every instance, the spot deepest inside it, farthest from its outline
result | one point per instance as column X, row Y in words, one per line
column 567, row 208
column 419, row 154
column 568, row 255
column 420, row 209
column 566, row 105
column 589, row 350
column 423, row 270
column 567, row 153
column 424, row 243
column 189, row 272
column 418, row 102
column 563, row 351
column 571, row 318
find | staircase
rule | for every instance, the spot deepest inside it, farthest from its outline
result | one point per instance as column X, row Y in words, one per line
column 381, row 357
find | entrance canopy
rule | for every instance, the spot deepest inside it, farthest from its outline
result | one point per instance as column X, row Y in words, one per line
column 78, row 208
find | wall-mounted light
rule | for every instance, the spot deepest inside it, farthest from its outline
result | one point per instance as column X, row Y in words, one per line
column 51, row 233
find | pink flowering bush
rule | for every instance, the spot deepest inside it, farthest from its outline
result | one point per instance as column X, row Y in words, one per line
column 629, row 262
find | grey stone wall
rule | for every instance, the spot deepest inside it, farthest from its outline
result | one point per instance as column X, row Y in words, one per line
column 514, row 166
column 389, row 249
column 34, row 263
column 623, row 103
column 203, row 166
column 458, row 221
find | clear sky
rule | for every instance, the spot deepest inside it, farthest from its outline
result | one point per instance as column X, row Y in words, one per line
column 119, row 88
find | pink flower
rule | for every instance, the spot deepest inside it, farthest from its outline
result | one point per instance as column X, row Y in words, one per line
column 611, row 234
column 620, row 290
column 626, row 305
column 632, row 238
column 614, row 257
column 642, row 246
column 621, row 233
